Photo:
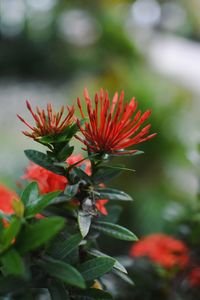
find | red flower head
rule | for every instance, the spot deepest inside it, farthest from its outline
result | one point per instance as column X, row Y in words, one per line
column 194, row 277
column 50, row 182
column 162, row 249
column 6, row 199
column 49, row 122
column 111, row 126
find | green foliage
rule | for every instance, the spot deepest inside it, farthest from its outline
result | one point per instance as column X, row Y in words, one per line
column 35, row 235
column 96, row 267
column 62, row 271
column 115, row 231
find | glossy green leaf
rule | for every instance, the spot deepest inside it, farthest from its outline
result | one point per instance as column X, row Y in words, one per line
column 12, row 263
column 43, row 160
column 34, row 236
column 81, row 174
column 84, row 222
column 71, row 190
column 117, row 264
column 105, row 174
column 65, row 152
column 96, row 267
column 64, row 272
column 63, row 248
column 30, row 194
column 113, row 194
column 40, row 203
column 115, row 231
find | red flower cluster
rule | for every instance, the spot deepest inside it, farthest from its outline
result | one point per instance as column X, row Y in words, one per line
column 6, row 198
column 112, row 127
column 50, row 182
column 162, row 249
column 49, row 122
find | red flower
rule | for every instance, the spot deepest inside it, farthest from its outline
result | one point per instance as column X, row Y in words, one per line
column 6, row 198
column 194, row 277
column 50, row 182
column 49, row 122
column 162, row 249
column 111, row 126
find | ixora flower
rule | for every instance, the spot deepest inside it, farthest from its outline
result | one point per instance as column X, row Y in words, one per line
column 113, row 125
column 50, row 182
column 47, row 122
column 163, row 250
column 7, row 197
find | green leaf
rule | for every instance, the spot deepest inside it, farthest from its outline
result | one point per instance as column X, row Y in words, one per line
column 115, row 231
column 10, row 233
column 40, row 203
column 65, row 152
column 117, row 264
column 63, row 248
column 30, row 193
column 84, row 222
column 12, row 263
column 81, row 174
column 96, row 267
column 34, row 236
column 71, row 190
column 118, row 167
column 124, row 277
column 64, row 272
column 113, row 215
column 113, row 194
column 58, row 291
column 105, row 174
column 43, row 160
column 92, row 294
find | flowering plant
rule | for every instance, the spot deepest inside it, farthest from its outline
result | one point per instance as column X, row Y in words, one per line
column 49, row 234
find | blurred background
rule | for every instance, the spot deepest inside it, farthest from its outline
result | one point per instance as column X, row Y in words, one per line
column 51, row 49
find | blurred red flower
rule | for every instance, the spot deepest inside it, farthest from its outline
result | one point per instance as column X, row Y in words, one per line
column 111, row 127
column 6, row 199
column 50, row 182
column 194, row 277
column 49, row 122
column 162, row 249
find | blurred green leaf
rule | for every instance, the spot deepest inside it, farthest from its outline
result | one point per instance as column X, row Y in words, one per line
column 96, row 267
column 124, row 277
column 10, row 233
column 40, row 203
column 64, row 272
column 12, row 263
column 115, row 231
column 58, row 291
column 34, row 236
